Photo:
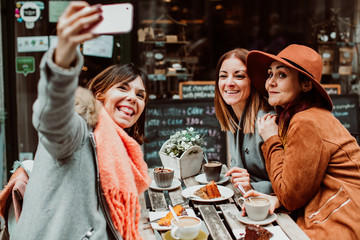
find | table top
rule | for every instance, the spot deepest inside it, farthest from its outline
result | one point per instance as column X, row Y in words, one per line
column 220, row 221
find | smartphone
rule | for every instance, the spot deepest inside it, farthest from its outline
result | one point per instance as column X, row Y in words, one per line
column 117, row 18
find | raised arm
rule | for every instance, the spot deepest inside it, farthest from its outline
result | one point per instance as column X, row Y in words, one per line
column 60, row 128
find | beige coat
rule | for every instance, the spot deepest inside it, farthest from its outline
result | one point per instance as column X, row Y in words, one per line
column 318, row 174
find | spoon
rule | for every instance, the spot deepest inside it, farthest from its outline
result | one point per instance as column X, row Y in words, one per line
column 173, row 213
column 205, row 158
column 242, row 190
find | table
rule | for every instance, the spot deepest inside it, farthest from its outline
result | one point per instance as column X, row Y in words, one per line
column 219, row 217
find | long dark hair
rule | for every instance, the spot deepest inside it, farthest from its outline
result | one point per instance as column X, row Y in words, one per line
column 303, row 101
column 122, row 73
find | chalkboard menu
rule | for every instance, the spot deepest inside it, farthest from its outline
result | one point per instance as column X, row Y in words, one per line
column 332, row 88
column 197, row 89
column 346, row 109
column 165, row 117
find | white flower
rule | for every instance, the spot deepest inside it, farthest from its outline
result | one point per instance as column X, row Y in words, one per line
column 182, row 140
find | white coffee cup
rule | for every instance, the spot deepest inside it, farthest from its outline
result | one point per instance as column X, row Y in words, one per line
column 257, row 208
column 188, row 227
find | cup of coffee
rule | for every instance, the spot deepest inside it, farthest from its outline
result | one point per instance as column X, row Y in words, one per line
column 163, row 176
column 212, row 170
column 257, row 208
column 187, row 227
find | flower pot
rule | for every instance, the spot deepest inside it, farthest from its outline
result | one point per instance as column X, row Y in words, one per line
column 189, row 164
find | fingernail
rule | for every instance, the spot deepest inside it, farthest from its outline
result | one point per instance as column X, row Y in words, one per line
column 98, row 7
column 87, row 9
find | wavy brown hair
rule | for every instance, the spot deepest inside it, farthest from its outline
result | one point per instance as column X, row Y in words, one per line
column 122, row 73
column 254, row 102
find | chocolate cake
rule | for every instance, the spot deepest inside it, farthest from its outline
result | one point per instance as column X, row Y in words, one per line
column 257, row 232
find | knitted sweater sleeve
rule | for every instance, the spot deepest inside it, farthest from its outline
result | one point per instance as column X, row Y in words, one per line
column 60, row 129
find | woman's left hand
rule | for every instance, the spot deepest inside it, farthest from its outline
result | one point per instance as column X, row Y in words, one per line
column 267, row 126
column 274, row 201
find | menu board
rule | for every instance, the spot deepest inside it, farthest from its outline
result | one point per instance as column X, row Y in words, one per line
column 346, row 109
column 165, row 117
column 197, row 89
column 332, row 88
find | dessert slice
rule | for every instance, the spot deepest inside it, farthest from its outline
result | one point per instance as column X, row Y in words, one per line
column 257, row 232
column 166, row 221
column 208, row 191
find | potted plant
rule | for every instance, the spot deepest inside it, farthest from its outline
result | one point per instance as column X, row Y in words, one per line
column 183, row 152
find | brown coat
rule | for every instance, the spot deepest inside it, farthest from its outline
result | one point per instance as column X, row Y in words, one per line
column 318, row 173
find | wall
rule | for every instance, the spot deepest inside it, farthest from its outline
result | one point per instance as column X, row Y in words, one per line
column 2, row 125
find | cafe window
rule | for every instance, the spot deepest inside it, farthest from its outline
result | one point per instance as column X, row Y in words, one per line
column 176, row 41
column 27, row 33
column 181, row 41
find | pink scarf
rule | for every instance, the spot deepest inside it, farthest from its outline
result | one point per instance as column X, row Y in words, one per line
column 123, row 174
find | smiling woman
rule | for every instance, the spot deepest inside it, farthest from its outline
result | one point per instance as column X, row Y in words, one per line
column 237, row 105
column 123, row 91
column 89, row 169
column 306, row 144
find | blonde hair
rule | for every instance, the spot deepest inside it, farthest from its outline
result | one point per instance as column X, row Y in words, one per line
column 224, row 112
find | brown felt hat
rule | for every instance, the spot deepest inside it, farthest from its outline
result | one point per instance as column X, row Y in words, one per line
column 299, row 57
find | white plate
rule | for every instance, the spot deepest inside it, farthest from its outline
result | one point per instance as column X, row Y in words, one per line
column 201, row 178
column 158, row 215
column 276, row 230
column 225, row 192
column 270, row 218
column 175, row 184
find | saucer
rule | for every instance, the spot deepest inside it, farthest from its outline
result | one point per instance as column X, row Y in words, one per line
column 270, row 218
column 175, row 184
column 202, row 236
column 201, row 178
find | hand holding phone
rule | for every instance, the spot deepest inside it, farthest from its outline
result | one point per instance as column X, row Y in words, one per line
column 117, row 18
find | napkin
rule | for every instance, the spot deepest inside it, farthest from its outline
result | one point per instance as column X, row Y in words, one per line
column 276, row 230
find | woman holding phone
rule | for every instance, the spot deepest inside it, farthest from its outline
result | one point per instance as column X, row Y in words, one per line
column 312, row 160
column 88, row 170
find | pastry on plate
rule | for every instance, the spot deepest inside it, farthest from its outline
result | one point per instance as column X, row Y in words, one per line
column 209, row 191
column 166, row 221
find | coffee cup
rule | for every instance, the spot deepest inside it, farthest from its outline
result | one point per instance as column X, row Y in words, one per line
column 188, row 227
column 212, row 170
column 257, row 208
column 163, row 176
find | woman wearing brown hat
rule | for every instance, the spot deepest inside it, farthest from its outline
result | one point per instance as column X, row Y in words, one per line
column 313, row 162
column 237, row 106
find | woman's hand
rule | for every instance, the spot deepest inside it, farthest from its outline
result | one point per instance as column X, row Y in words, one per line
column 274, row 201
column 267, row 126
column 73, row 28
column 239, row 176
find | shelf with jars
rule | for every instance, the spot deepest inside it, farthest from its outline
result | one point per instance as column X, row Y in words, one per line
column 338, row 52
column 163, row 53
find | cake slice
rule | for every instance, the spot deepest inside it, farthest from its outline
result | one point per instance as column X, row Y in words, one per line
column 208, row 191
column 166, row 221
column 257, row 232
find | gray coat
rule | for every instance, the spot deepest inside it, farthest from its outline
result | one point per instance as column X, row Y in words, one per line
column 63, row 197
column 252, row 159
